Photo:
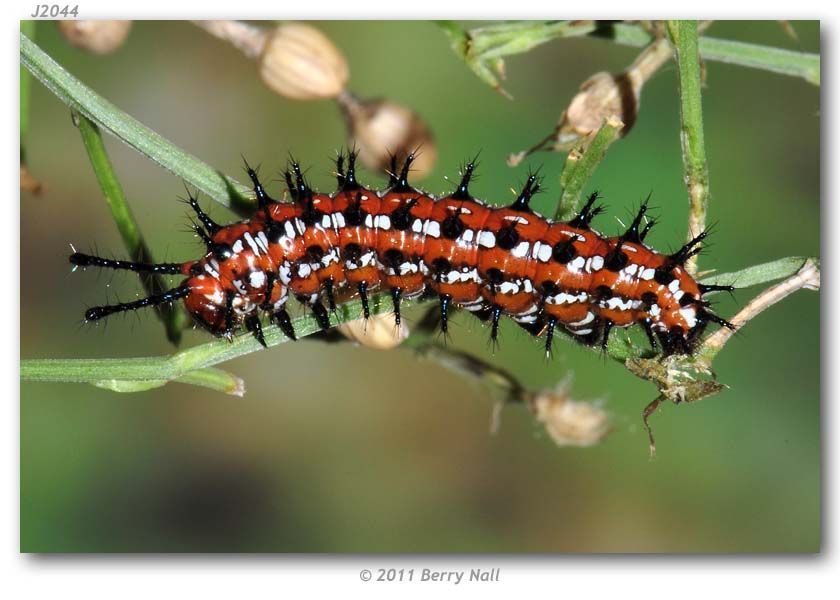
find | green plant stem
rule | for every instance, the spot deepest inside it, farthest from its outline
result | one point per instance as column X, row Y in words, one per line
column 56, row 370
column 483, row 48
column 120, row 372
column 174, row 317
column 27, row 28
column 683, row 35
column 755, row 56
column 77, row 96
column 763, row 273
column 581, row 164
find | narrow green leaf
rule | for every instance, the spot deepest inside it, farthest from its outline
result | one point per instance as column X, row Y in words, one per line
column 174, row 317
column 776, row 60
column 759, row 274
column 478, row 46
column 124, row 387
column 82, row 99
column 27, row 28
column 106, row 374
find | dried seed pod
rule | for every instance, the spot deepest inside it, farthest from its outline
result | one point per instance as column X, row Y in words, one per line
column 380, row 128
column 601, row 97
column 569, row 422
column 301, row 63
column 99, row 37
column 28, row 183
column 378, row 332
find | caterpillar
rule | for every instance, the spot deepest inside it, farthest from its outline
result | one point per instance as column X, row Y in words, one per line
column 492, row 261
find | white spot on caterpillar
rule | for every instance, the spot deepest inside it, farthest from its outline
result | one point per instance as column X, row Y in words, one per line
column 486, row 239
column 211, row 271
column 408, row 267
column 678, row 294
column 326, row 221
column 543, row 252
column 237, row 247
column 520, row 250
column 467, row 236
column 525, row 318
column 617, row 303
column 285, row 273
column 256, row 279
column 417, row 226
column 517, row 219
column 585, row 320
column 338, row 220
column 527, row 285
column 674, row 285
column 330, row 257
column 647, row 274
column 290, row 230
column 655, row 311
column 689, row 314
column 369, row 221
column 367, row 259
column 304, row 270
column 299, row 226
column 451, row 277
column 576, row 265
column 471, row 275
column 383, row 222
column 216, row 297
column 262, row 241
column 251, row 243
column 509, row 287
column 473, row 306
column 596, row 263
column 586, row 331
column 630, row 270
column 432, row 228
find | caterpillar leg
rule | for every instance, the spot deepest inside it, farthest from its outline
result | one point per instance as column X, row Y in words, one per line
column 254, row 325
column 284, row 322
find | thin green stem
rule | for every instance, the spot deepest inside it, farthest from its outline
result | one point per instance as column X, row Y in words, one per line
column 56, row 370
column 77, row 96
column 174, row 317
column 27, row 28
column 483, row 48
column 160, row 369
column 581, row 164
column 683, row 35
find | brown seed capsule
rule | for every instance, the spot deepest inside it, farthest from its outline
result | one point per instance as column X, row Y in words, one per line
column 99, row 37
column 378, row 332
column 28, row 183
column 300, row 62
column 569, row 422
column 601, row 97
column 381, row 128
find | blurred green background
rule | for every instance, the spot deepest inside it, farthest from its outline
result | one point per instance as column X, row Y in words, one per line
column 344, row 449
